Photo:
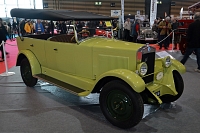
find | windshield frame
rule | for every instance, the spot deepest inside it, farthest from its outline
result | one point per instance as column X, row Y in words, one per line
column 78, row 41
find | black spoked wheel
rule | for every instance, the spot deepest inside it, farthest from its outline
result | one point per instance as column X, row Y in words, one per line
column 26, row 73
column 121, row 106
column 179, row 85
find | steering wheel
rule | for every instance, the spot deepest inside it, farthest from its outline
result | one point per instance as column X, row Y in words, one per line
column 83, row 33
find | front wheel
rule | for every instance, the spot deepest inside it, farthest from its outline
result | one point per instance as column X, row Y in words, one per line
column 26, row 73
column 179, row 85
column 120, row 104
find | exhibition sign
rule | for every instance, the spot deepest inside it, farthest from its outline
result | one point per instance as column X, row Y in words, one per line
column 115, row 13
column 122, row 9
column 153, row 11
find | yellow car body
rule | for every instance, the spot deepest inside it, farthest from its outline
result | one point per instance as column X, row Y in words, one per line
column 126, row 74
column 84, row 65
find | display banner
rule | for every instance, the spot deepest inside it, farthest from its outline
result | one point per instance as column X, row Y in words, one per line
column 181, row 13
column 115, row 13
column 153, row 11
column 122, row 9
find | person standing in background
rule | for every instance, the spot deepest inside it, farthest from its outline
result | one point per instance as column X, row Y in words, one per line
column 175, row 25
column 92, row 27
column 155, row 26
column 62, row 27
column 159, row 19
column 14, row 27
column 101, row 25
column 21, row 27
column 127, row 29
column 28, row 27
column 48, row 27
column 79, row 26
column 39, row 27
column 135, row 30
column 10, row 30
column 193, row 41
column 165, row 27
column 3, row 34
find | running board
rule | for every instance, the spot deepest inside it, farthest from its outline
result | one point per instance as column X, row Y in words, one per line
column 63, row 85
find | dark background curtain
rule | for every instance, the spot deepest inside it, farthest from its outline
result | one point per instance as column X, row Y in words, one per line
column 161, row 8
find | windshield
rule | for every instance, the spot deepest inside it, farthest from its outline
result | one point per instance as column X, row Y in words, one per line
column 86, row 29
column 77, row 30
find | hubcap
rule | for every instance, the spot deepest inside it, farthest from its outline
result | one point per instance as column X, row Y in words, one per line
column 119, row 105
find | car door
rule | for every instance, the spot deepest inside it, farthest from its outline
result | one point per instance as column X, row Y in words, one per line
column 51, row 51
column 65, row 57
column 69, row 58
column 37, row 46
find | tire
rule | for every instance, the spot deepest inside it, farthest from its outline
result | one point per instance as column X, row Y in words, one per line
column 26, row 73
column 179, row 85
column 121, row 105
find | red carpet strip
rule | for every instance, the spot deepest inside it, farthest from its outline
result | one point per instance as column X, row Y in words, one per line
column 12, row 49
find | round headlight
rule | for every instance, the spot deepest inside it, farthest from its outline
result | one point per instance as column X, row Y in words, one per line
column 168, row 61
column 143, row 69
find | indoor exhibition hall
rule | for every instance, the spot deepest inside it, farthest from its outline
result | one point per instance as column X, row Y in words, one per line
column 99, row 66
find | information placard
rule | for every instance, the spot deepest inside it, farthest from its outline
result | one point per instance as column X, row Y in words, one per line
column 163, row 54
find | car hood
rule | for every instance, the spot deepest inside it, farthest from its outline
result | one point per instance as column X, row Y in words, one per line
column 102, row 42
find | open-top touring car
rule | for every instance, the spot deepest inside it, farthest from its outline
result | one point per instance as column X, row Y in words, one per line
column 125, row 74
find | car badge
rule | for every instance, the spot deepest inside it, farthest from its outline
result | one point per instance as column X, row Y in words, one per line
column 149, row 48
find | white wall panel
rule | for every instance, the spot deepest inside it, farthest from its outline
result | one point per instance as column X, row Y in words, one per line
column 7, row 5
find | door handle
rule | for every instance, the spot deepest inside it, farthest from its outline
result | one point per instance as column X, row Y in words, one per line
column 55, row 49
column 31, row 45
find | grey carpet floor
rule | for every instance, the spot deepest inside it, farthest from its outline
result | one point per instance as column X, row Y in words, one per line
column 48, row 109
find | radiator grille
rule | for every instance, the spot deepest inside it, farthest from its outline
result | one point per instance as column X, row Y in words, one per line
column 149, row 58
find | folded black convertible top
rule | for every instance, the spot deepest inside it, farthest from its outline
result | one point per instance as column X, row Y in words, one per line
column 57, row 15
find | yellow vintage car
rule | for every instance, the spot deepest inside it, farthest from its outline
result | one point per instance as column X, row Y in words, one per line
column 125, row 74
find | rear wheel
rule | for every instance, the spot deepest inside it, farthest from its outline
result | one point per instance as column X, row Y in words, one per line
column 26, row 73
column 179, row 85
column 121, row 106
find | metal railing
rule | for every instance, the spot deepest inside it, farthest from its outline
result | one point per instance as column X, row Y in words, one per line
column 172, row 32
